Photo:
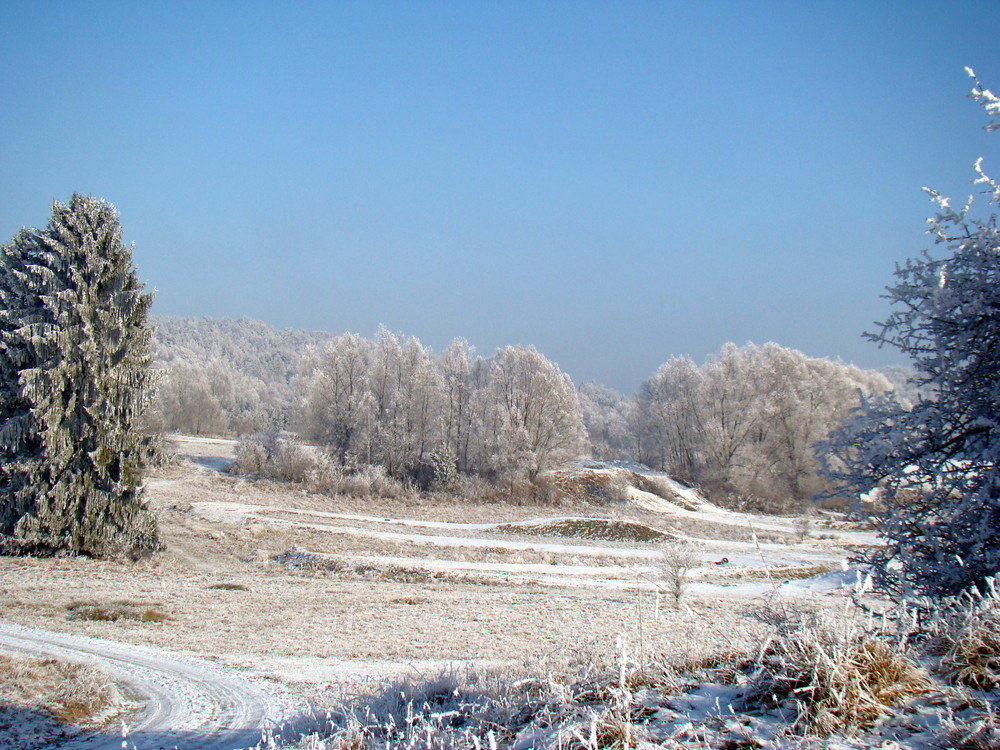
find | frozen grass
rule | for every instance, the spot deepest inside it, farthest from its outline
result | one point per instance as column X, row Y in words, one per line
column 833, row 679
column 114, row 611
column 76, row 694
column 967, row 635
column 815, row 681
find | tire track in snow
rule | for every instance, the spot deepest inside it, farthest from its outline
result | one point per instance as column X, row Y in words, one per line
column 186, row 702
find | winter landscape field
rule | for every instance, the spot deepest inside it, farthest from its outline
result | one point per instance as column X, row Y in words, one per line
column 499, row 376
column 520, row 625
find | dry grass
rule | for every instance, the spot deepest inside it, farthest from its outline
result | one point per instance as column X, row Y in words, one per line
column 114, row 611
column 967, row 636
column 834, row 679
column 71, row 693
column 229, row 587
column 776, row 572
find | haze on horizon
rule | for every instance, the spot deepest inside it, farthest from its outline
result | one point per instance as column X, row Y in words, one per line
column 615, row 184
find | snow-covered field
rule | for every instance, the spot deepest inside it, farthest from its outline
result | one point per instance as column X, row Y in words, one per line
column 284, row 592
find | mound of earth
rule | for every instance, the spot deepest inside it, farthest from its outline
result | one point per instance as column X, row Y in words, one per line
column 588, row 528
column 624, row 484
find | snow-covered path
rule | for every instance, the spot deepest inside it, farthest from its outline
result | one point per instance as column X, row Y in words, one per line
column 186, row 702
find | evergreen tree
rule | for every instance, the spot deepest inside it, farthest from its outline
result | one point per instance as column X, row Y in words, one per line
column 74, row 374
column 936, row 465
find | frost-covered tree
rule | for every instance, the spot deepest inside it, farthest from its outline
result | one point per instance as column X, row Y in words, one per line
column 936, row 465
column 337, row 405
column 459, row 368
column 390, row 402
column 609, row 417
column 227, row 376
column 806, row 398
column 188, row 403
column 407, row 392
column 742, row 426
column 74, row 376
column 534, row 421
column 670, row 416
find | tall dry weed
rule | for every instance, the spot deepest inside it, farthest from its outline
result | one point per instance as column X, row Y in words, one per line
column 835, row 679
column 966, row 634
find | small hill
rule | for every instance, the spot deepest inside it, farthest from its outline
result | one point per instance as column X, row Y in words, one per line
column 625, row 483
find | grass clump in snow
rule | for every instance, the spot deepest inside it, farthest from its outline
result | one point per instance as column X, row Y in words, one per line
column 70, row 693
column 966, row 634
column 114, row 612
column 227, row 586
column 832, row 679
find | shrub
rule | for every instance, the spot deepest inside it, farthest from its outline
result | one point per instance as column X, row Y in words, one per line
column 279, row 457
column 371, row 480
column 677, row 559
column 251, row 456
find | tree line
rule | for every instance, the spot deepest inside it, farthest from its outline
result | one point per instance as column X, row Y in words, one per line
column 741, row 426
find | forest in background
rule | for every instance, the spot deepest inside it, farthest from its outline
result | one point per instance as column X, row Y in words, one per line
column 740, row 427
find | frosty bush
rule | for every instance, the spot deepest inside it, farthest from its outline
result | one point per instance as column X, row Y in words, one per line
column 251, row 455
column 937, row 464
column 677, row 559
column 275, row 456
column 443, row 469
column 74, row 376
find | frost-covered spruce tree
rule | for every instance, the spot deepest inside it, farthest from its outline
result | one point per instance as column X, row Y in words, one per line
column 74, row 373
column 936, row 466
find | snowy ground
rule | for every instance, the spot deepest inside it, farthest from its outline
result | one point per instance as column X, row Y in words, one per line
column 315, row 593
column 181, row 701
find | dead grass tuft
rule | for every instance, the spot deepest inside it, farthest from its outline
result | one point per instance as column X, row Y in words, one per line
column 71, row 693
column 967, row 635
column 114, row 612
column 834, row 680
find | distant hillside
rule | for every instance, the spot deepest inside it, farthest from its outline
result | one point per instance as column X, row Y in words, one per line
column 249, row 346
column 226, row 376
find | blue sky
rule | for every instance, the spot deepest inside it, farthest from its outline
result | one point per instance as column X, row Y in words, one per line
column 615, row 183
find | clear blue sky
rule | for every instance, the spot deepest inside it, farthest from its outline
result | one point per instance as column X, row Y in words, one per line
column 615, row 183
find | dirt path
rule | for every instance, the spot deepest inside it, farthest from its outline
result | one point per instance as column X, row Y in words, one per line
column 186, row 702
